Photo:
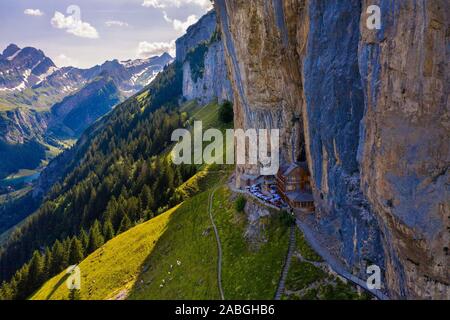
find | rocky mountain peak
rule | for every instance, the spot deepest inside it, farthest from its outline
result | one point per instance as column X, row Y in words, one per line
column 23, row 68
column 195, row 34
column 10, row 50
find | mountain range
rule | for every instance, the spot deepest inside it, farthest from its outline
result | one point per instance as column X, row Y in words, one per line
column 28, row 78
column 44, row 104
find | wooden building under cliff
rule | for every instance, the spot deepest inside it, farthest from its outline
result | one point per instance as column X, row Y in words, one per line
column 293, row 184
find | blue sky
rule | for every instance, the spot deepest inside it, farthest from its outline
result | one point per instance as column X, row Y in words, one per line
column 105, row 29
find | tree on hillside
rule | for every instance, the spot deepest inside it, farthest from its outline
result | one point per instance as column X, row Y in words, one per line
column 108, row 230
column 146, row 198
column 60, row 258
column 36, row 270
column 84, row 238
column 125, row 224
column 240, row 204
column 96, row 239
column 6, row 292
column 48, row 263
column 226, row 114
column 76, row 251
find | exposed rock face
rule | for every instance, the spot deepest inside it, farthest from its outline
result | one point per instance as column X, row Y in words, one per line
column 21, row 124
column 202, row 42
column 373, row 128
column 20, row 133
column 214, row 81
column 22, row 68
column 195, row 34
column 405, row 152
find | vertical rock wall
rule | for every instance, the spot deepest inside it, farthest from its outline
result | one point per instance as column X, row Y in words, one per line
column 332, row 114
column 405, row 152
column 264, row 64
column 380, row 174
column 195, row 34
column 213, row 83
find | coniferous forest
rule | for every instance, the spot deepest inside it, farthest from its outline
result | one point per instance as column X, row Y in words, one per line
column 120, row 175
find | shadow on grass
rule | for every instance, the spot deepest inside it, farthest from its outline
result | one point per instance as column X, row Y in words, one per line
column 57, row 285
column 182, row 264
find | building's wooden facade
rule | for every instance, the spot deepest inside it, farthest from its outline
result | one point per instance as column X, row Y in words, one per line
column 293, row 184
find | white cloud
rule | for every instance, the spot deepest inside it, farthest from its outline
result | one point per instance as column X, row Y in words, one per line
column 62, row 61
column 149, row 49
column 116, row 23
column 181, row 26
column 206, row 4
column 33, row 12
column 153, row 3
column 74, row 26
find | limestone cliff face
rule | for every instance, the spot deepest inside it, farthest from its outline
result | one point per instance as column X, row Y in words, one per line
column 202, row 49
column 368, row 110
column 21, row 124
column 214, row 81
column 195, row 34
column 405, row 138
column 264, row 64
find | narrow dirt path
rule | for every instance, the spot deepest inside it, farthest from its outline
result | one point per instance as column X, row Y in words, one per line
column 287, row 263
column 219, row 244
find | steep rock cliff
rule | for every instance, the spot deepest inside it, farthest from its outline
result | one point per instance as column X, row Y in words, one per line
column 21, row 145
column 313, row 70
column 213, row 82
column 195, row 34
column 21, row 124
column 201, row 50
column 405, row 152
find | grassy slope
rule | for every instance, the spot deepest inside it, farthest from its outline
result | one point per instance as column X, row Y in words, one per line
column 115, row 266
column 188, row 241
column 182, row 237
column 143, row 262
column 251, row 267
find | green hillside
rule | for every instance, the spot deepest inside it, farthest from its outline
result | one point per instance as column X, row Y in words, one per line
column 116, row 175
column 174, row 256
column 115, row 266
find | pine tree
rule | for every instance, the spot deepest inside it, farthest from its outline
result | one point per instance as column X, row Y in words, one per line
column 58, row 256
column 148, row 215
column 76, row 251
column 36, row 271
column 146, row 198
column 6, row 292
column 84, row 238
column 133, row 209
column 66, row 250
column 20, row 282
column 125, row 224
column 111, row 209
column 48, row 263
column 96, row 239
column 108, row 230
